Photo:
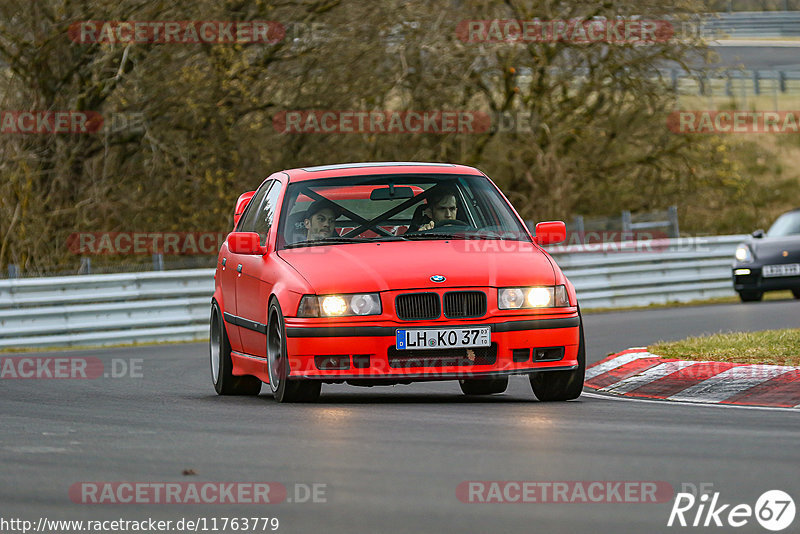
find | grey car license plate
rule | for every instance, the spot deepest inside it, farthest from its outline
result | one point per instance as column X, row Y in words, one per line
column 789, row 269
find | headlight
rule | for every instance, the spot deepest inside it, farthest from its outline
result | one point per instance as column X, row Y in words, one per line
column 339, row 305
column 515, row 298
column 744, row 254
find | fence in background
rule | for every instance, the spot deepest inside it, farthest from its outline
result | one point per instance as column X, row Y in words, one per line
column 174, row 305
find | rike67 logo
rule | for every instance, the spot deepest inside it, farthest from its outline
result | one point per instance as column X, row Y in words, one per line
column 774, row 510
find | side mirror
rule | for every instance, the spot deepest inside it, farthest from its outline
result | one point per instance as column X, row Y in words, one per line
column 241, row 204
column 245, row 243
column 550, row 232
column 758, row 234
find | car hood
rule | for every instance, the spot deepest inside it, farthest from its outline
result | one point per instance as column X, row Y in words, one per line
column 772, row 248
column 358, row 267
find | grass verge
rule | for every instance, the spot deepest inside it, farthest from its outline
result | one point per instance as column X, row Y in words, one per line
column 773, row 347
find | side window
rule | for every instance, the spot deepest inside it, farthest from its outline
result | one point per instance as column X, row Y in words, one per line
column 247, row 222
column 266, row 212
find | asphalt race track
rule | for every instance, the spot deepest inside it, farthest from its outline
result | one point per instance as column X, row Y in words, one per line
column 391, row 458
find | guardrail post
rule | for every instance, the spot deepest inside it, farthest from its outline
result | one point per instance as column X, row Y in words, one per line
column 626, row 221
column 578, row 226
column 728, row 84
column 672, row 216
column 13, row 271
column 782, row 80
column 674, row 74
column 86, row 266
column 756, row 82
column 158, row 262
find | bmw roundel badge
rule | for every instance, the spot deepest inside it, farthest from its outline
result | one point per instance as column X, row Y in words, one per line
column 438, row 278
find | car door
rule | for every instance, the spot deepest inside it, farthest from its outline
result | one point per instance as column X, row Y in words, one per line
column 254, row 284
column 230, row 270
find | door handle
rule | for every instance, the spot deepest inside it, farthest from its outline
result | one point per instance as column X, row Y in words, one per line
column 239, row 268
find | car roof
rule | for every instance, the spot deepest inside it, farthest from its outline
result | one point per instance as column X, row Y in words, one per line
column 377, row 167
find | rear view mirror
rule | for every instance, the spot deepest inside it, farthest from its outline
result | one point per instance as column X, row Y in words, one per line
column 245, row 243
column 758, row 234
column 550, row 232
column 241, row 204
column 391, row 193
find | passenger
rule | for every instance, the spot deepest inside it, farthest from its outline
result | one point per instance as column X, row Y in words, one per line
column 320, row 220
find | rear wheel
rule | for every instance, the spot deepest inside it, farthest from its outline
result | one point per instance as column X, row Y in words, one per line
column 796, row 293
column 483, row 386
column 284, row 389
column 751, row 295
column 561, row 385
column 225, row 382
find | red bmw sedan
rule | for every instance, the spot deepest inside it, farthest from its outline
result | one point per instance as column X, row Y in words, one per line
column 390, row 273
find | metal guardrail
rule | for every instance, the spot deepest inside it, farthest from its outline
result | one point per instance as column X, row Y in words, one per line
column 641, row 273
column 174, row 305
column 748, row 24
column 105, row 309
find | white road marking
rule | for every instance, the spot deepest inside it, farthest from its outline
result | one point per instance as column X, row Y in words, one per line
column 645, row 377
column 619, row 361
column 730, row 382
column 693, row 404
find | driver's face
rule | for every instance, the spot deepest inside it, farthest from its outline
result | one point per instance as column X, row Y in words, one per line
column 444, row 210
column 321, row 224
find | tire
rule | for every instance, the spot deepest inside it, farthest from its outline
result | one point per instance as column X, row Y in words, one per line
column 549, row 386
column 751, row 295
column 796, row 293
column 284, row 389
column 219, row 347
column 483, row 386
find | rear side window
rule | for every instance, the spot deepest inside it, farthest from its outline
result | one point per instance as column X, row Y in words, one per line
column 265, row 214
column 247, row 222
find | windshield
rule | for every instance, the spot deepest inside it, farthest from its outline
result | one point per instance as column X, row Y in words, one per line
column 786, row 224
column 395, row 208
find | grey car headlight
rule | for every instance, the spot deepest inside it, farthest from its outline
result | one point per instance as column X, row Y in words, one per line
column 744, row 254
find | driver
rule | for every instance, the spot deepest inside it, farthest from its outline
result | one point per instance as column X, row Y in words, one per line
column 441, row 207
column 320, row 220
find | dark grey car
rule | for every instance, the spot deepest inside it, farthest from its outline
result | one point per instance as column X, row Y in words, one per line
column 769, row 261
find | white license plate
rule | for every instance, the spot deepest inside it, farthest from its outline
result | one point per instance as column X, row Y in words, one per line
column 789, row 269
column 444, row 338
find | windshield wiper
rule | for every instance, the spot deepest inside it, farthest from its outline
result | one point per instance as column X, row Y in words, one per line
column 329, row 241
column 431, row 236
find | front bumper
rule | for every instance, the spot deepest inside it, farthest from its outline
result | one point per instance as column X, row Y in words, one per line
column 368, row 350
column 756, row 282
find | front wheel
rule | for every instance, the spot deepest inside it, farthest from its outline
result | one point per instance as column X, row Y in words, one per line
column 483, row 386
column 561, row 385
column 796, row 293
column 225, row 382
column 284, row 389
column 751, row 296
